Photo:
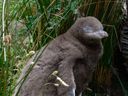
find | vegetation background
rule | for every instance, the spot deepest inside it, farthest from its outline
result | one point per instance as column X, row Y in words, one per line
column 27, row 25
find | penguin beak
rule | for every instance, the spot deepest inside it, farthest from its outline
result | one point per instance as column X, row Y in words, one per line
column 102, row 33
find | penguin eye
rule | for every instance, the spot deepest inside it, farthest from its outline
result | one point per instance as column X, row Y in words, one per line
column 101, row 28
column 88, row 29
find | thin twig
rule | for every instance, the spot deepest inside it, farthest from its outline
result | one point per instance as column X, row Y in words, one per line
column 3, row 28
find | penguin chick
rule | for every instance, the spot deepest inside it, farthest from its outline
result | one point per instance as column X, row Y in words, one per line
column 73, row 54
